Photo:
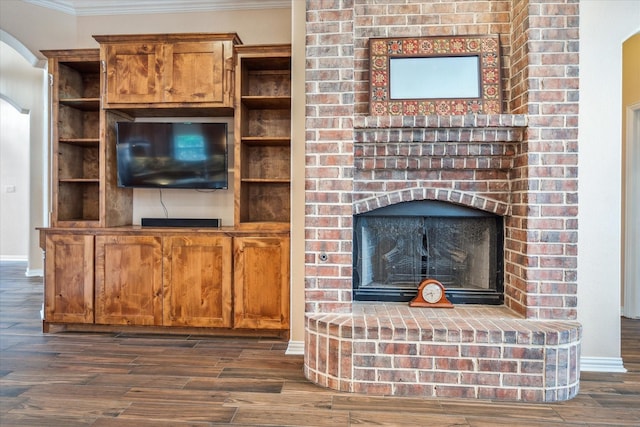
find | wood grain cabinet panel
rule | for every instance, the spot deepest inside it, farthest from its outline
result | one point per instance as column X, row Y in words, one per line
column 197, row 281
column 133, row 73
column 194, row 72
column 69, row 278
column 168, row 71
column 129, row 280
column 261, row 282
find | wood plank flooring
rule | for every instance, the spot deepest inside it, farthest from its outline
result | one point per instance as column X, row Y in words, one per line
column 113, row 380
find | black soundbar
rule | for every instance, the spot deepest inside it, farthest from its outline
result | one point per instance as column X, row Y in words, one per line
column 181, row 222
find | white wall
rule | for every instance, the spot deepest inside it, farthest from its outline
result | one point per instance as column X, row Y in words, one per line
column 14, row 182
column 604, row 26
column 24, row 84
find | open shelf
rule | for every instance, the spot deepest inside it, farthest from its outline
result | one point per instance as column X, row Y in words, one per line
column 78, row 200
column 83, row 160
column 263, row 132
column 266, row 202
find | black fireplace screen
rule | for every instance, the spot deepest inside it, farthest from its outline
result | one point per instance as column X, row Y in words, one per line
column 396, row 247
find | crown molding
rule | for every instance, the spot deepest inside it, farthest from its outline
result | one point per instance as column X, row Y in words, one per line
column 128, row 7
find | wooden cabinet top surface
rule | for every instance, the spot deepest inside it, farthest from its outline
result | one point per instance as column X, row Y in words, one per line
column 265, row 49
column 73, row 55
column 167, row 38
column 164, row 231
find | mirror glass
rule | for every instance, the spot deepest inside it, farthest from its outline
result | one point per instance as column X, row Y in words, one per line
column 434, row 77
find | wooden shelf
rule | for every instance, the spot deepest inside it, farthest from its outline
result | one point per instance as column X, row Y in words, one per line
column 78, row 222
column 267, row 102
column 80, row 180
column 84, row 142
column 267, row 180
column 84, row 104
column 275, row 141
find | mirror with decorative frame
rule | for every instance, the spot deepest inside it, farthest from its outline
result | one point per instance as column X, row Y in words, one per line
column 435, row 75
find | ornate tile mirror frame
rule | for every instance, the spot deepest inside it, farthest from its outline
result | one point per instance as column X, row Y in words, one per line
column 455, row 75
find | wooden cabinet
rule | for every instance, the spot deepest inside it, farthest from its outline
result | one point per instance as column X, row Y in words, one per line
column 68, row 295
column 81, row 156
column 168, row 71
column 100, row 269
column 197, row 281
column 128, row 280
column 263, row 137
column 261, row 282
column 131, row 73
column 134, row 277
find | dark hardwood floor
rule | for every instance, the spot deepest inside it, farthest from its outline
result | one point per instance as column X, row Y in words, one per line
column 106, row 379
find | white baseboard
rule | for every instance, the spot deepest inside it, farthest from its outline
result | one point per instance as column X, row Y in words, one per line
column 13, row 258
column 601, row 364
column 295, row 348
column 34, row 272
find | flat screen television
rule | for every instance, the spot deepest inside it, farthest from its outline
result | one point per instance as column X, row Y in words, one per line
column 172, row 155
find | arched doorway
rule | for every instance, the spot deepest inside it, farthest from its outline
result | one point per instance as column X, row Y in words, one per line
column 23, row 82
column 14, row 182
column 631, row 176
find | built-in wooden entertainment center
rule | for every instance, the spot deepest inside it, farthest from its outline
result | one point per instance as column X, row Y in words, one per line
column 102, row 272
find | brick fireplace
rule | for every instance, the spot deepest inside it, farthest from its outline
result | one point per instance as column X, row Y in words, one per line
column 521, row 166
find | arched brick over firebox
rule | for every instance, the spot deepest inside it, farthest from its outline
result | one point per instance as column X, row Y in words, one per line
column 413, row 194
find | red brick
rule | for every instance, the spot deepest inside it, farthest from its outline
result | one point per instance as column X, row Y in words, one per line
column 412, row 390
column 373, row 388
column 498, row 393
column 439, row 377
column 454, row 364
column 485, row 379
column 522, row 380
column 455, row 392
column 494, row 365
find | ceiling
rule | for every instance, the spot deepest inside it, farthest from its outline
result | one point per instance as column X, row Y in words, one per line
column 123, row 7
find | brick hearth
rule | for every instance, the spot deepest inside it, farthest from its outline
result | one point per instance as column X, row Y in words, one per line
column 468, row 351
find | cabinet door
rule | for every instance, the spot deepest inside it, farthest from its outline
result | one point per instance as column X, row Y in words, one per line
column 128, row 280
column 194, row 72
column 134, row 73
column 68, row 284
column 261, row 282
column 197, row 281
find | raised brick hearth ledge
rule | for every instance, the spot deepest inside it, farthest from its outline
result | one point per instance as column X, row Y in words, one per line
column 465, row 352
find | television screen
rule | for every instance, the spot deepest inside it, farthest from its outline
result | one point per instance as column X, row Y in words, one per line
column 172, row 155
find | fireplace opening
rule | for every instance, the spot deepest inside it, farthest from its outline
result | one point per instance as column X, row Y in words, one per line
column 397, row 246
